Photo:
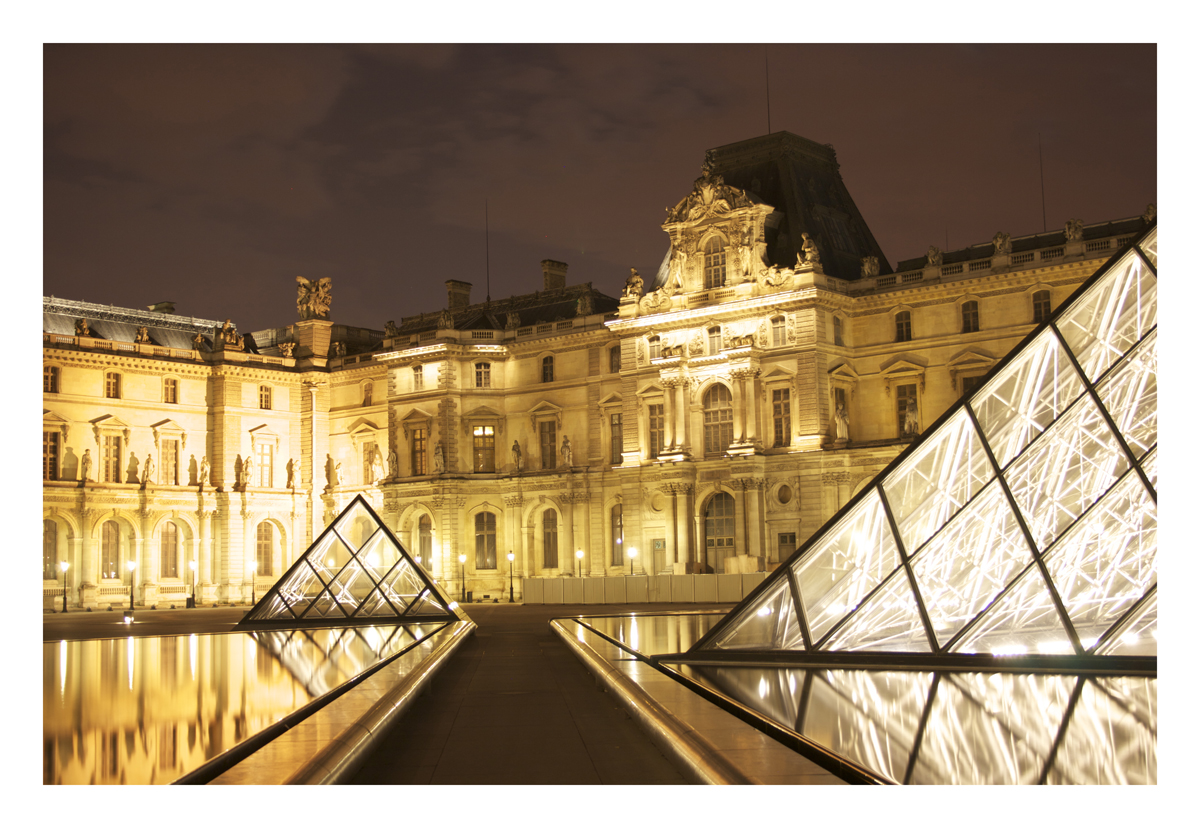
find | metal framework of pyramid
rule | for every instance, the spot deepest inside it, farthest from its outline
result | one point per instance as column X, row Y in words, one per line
column 356, row 572
column 1023, row 525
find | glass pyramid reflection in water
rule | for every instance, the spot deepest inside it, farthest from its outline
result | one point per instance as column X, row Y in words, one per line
column 355, row 572
column 1024, row 522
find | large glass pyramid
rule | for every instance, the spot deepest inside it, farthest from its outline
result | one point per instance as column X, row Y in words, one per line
column 1023, row 524
column 356, row 572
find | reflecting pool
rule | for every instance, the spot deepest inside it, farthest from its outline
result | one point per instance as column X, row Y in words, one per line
column 144, row 711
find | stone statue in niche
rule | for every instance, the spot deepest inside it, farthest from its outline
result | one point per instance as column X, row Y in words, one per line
column 198, row 341
column 934, row 257
column 566, row 451
column 247, row 471
column 439, row 459
column 192, row 467
column 842, row 423
column 808, row 249
column 393, row 465
column 330, row 472
column 339, row 349
column 583, row 307
column 1150, row 214
column 512, row 321
column 313, row 297
column 230, row 337
column 634, row 284
column 1074, row 230
column 390, row 329
column 148, row 470
column 377, row 471
column 85, row 466
column 911, row 426
column 291, row 473
column 81, row 328
column 204, row 469
column 143, row 335
column 1001, row 244
column 516, row 456
column 368, row 393
column 445, row 320
column 870, row 267
column 287, row 349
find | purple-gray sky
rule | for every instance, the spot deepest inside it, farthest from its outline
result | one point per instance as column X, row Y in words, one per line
column 214, row 175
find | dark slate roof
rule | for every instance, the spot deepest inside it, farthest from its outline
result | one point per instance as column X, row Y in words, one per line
column 531, row 308
column 121, row 324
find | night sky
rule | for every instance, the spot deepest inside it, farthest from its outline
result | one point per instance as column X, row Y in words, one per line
column 212, row 176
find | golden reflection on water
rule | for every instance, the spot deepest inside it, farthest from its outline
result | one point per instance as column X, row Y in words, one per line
column 144, row 711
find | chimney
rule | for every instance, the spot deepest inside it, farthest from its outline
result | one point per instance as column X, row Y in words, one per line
column 162, row 307
column 458, row 294
column 554, row 274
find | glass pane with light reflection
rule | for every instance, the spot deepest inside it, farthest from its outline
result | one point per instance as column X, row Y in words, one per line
column 1023, row 621
column 1130, row 394
column 887, row 621
column 769, row 622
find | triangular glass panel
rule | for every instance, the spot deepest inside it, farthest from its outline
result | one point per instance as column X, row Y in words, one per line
column 937, row 479
column 1150, row 467
column 1103, row 718
column 1130, row 394
column 426, row 604
column 1111, row 316
column 355, row 572
column 1075, row 462
column 771, row 623
column 1149, row 246
column 970, row 562
column 1023, row 621
column 889, row 621
column 1138, row 637
column 1105, row 563
column 853, row 559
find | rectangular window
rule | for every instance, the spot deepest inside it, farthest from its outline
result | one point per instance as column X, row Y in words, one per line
column 787, row 545
column 418, row 377
column 485, row 449
column 485, row 540
column 618, row 532
column 418, row 451
column 264, row 397
column 656, row 430
column 169, row 461
column 170, row 390
column 169, row 549
column 264, row 549
column 483, row 375
column 1041, row 306
column 778, row 331
column 903, row 327
column 655, row 347
column 49, row 379
column 265, row 464
column 714, row 340
column 618, row 445
column 781, row 412
column 906, row 400
column 550, row 540
column 548, row 369
column 970, row 385
column 837, row 331
column 112, row 459
column 548, row 440
column 970, row 317
column 614, row 359
column 50, row 454
column 112, row 386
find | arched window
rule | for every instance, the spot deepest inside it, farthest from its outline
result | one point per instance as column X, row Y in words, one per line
column 548, row 369
column 618, row 533
column 718, row 530
column 485, row 541
column 718, row 419
column 110, row 550
column 714, row 263
column 425, row 540
column 970, row 316
column 49, row 550
column 903, row 326
column 550, row 539
column 168, row 551
column 265, row 549
column 1041, row 306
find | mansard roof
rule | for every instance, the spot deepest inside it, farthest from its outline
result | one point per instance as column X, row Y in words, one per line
column 531, row 309
column 121, row 324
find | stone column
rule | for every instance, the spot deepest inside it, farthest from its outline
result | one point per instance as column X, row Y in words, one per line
column 566, row 556
column 755, row 535
column 88, row 561
column 739, row 517
column 668, row 414
column 739, row 420
column 512, row 531
column 672, row 525
column 681, row 414
column 685, row 549
column 249, row 555
column 144, row 552
column 751, row 406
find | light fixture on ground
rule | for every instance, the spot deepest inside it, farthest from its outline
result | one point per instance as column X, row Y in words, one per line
column 192, row 566
column 632, row 555
column 64, row 566
column 511, row 558
column 462, row 562
column 131, row 565
column 579, row 563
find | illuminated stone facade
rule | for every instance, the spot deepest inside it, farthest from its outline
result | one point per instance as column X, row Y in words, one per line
column 694, row 419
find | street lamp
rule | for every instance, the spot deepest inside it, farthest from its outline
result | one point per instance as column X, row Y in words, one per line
column 578, row 563
column 192, row 566
column 64, row 566
column 462, row 562
column 253, row 577
column 511, row 558
column 632, row 555
column 132, row 565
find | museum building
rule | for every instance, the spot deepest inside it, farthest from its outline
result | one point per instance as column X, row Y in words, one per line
column 710, row 419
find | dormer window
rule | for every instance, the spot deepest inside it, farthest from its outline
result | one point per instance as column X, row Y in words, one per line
column 714, row 263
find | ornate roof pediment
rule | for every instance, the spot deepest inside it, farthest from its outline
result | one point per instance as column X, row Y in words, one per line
column 710, row 197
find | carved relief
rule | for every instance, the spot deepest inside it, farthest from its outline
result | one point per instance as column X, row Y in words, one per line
column 791, row 330
column 313, row 298
column 870, row 267
column 1001, row 244
column 934, row 257
column 1074, row 230
column 696, row 346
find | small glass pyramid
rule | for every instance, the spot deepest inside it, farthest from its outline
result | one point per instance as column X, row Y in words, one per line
column 356, row 572
column 1023, row 524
